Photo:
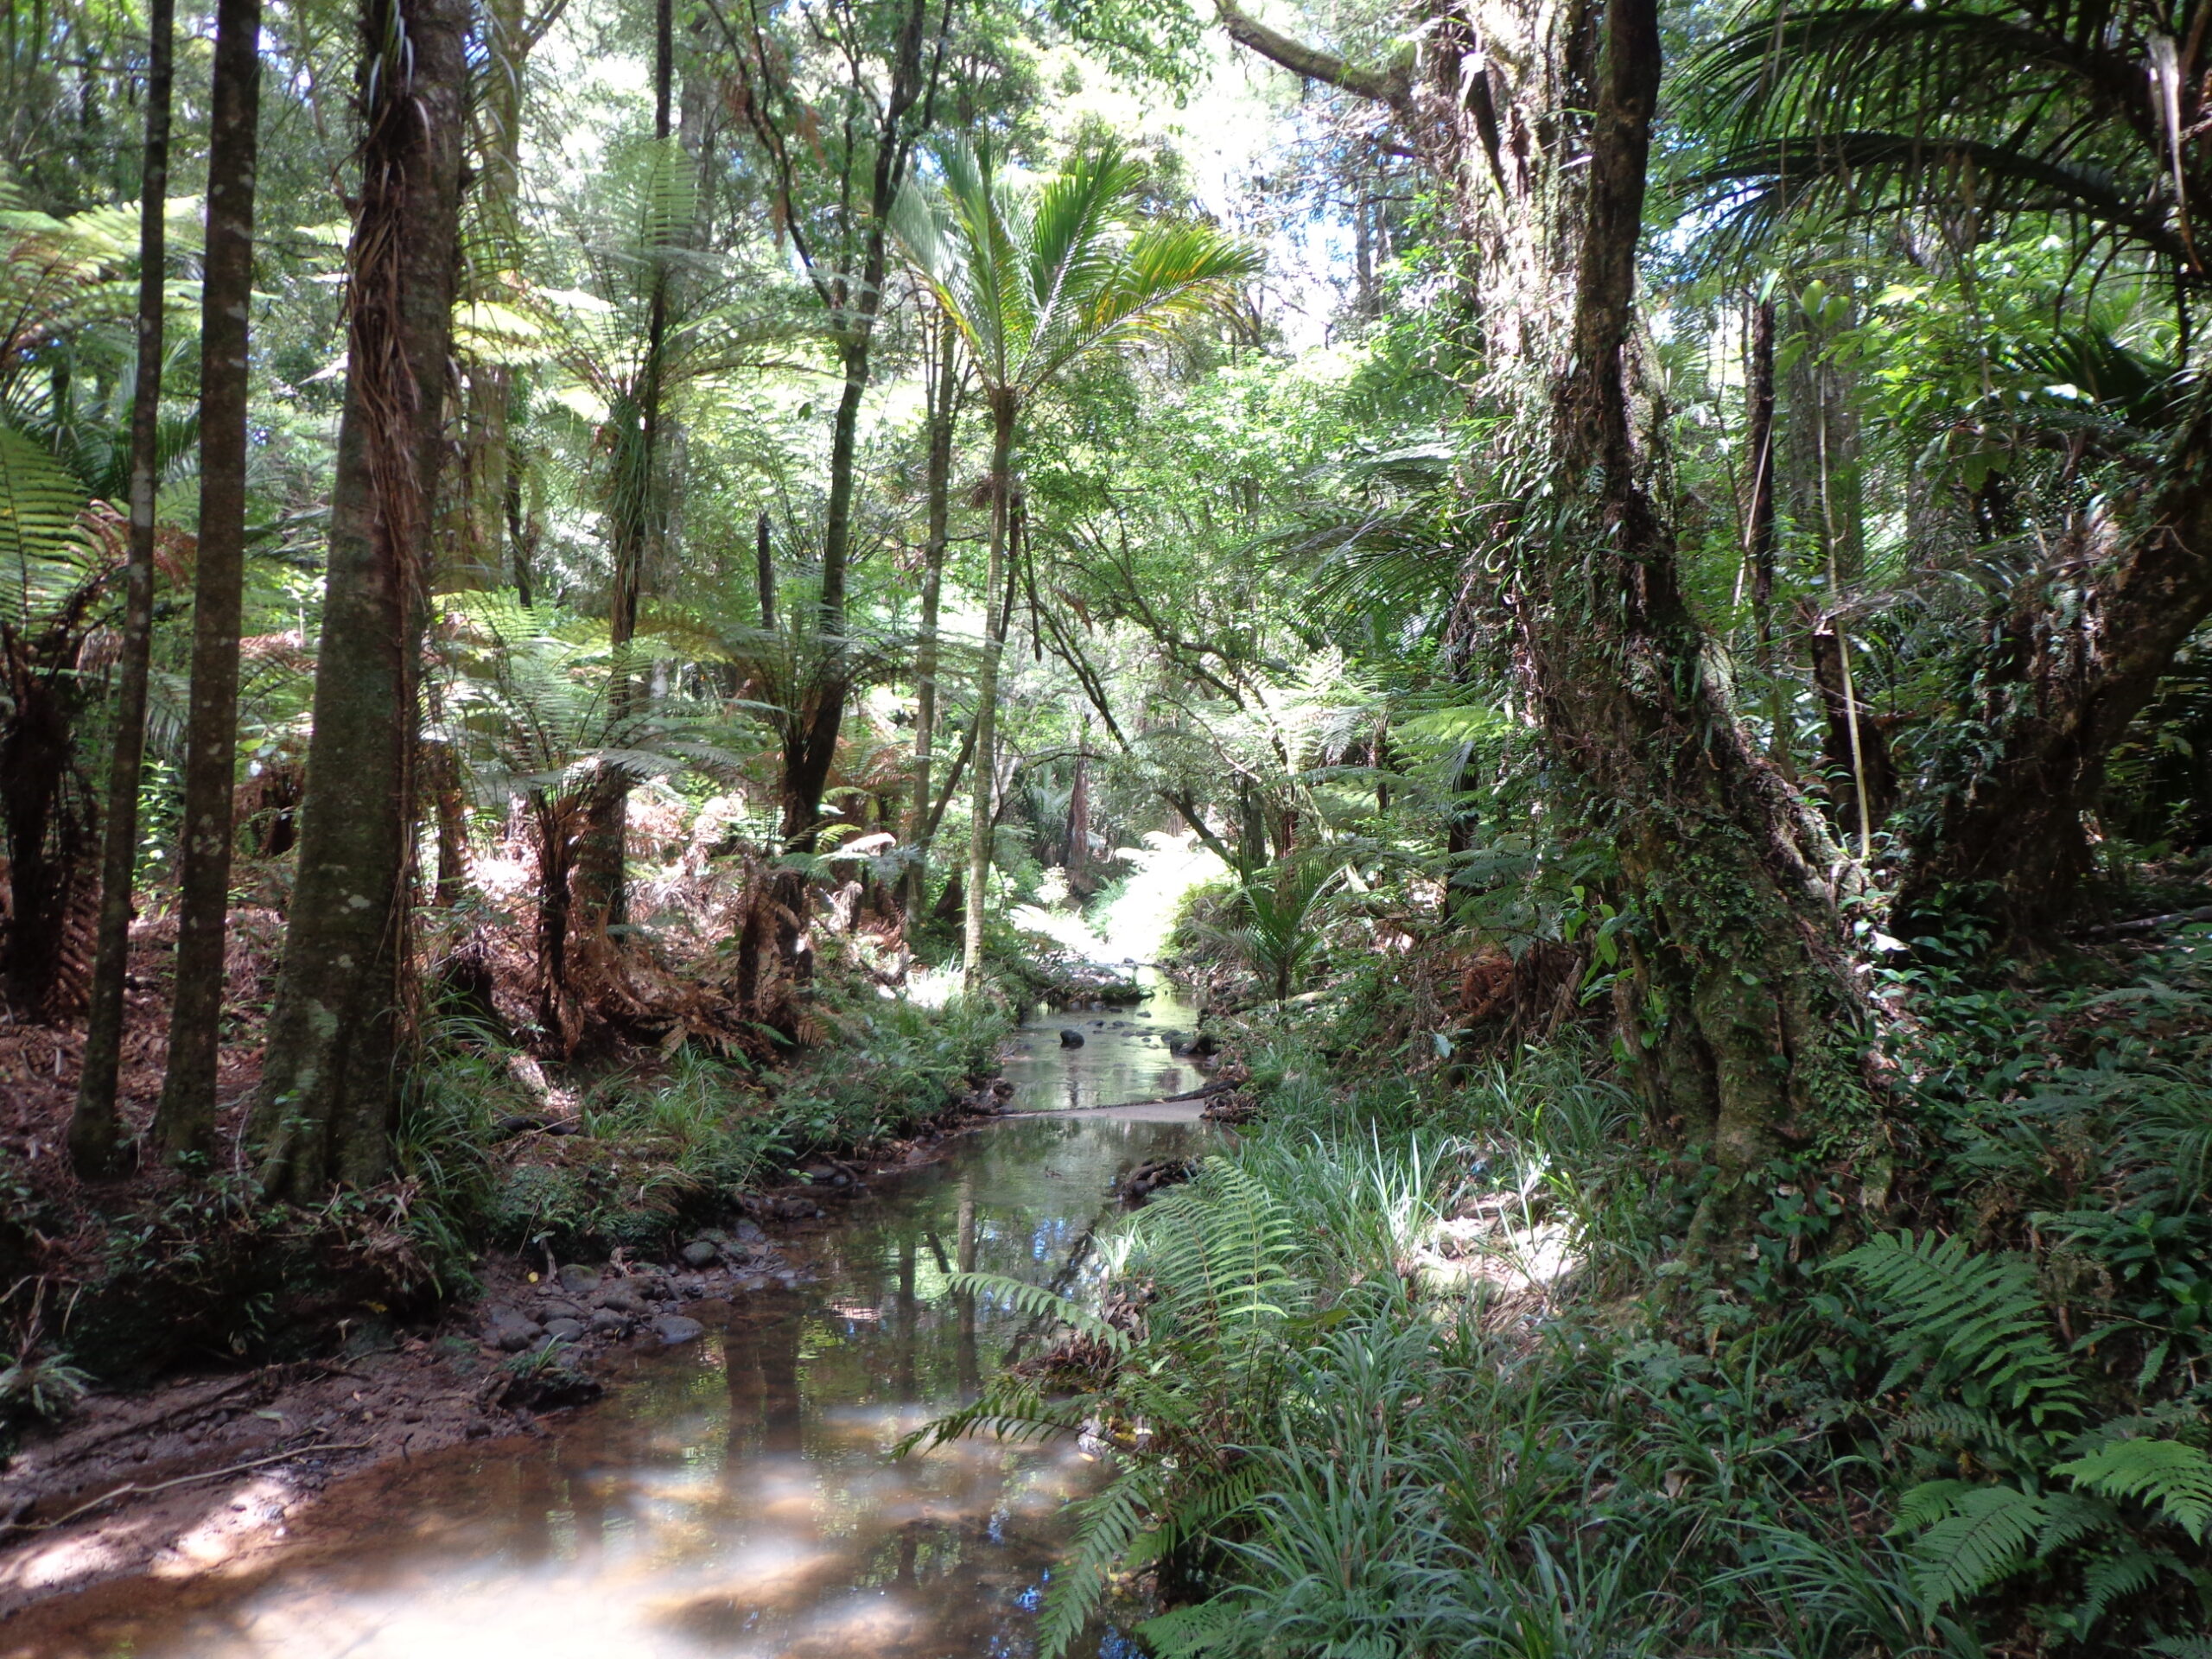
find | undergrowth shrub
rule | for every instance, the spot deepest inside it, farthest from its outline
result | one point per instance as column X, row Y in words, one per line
column 1989, row 1436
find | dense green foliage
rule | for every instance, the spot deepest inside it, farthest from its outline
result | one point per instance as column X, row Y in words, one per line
column 1645, row 581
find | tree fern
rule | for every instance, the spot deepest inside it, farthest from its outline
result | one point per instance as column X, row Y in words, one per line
column 44, row 554
column 1973, row 1321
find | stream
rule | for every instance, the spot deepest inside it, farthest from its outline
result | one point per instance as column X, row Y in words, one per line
column 738, row 1496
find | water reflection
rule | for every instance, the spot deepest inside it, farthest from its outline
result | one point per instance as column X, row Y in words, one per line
column 1124, row 1056
column 736, row 1498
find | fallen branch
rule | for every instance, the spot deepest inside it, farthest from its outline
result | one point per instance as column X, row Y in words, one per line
column 133, row 1488
column 2149, row 924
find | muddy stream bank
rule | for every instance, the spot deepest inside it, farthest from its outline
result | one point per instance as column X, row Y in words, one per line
column 732, row 1495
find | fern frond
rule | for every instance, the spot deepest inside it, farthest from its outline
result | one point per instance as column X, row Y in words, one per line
column 2123, row 1574
column 1946, row 1422
column 44, row 555
column 1040, row 1303
column 1112, row 1523
column 1985, row 1540
column 2175, row 1478
column 1929, row 1503
column 1976, row 1317
column 2068, row 1518
column 1192, row 1632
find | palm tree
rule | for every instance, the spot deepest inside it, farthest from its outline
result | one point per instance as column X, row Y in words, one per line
column 1037, row 276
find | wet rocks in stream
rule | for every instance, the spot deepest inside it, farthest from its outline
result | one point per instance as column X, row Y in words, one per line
column 1071, row 1037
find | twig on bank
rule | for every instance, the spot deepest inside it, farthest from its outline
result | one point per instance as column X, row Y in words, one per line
column 133, row 1488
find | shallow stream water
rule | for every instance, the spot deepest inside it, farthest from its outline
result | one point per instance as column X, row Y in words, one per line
column 738, row 1497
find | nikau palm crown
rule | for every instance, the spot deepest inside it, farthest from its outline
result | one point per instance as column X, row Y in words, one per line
column 1036, row 277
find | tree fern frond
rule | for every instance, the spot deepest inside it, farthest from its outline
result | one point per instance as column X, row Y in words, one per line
column 44, row 554
column 1039, row 1303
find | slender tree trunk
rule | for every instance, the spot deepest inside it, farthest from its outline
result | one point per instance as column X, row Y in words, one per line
column 1758, row 444
column 1855, row 757
column 602, row 862
column 857, row 303
column 94, row 1129
column 486, row 456
column 763, row 573
column 324, row 1111
column 943, row 415
column 184, row 1123
column 1759, row 523
column 980, row 836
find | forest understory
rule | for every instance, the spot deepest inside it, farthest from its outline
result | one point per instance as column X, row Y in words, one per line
column 597, row 597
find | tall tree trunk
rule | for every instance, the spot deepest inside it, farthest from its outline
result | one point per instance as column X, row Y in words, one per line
column 486, row 452
column 1738, row 1011
column 94, row 1128
column 855, row 297
column 1760, row 521
column 944, row 417
column 324, row 1109
column 980, row 836
column 1079, row 848
column 184, row 1123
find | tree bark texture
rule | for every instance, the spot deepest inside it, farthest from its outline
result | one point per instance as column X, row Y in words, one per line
column 49, row 836
column 94, row 1128
column 1737, row 1012
column 324, row 1109
column 184, row 1123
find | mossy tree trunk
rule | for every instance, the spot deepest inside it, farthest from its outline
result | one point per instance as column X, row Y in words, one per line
column 1738, row 1013
column 1735, row 1006
column 324, row 1109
